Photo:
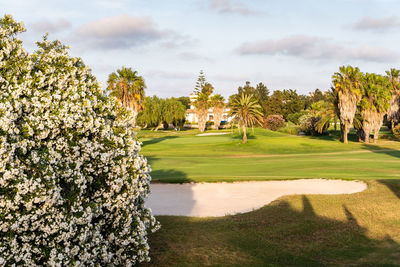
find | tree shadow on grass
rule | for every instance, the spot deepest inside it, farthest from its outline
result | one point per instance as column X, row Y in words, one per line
column 173, row 176
column 158, row 140
column 393, row 185
column 276, row 235
column 388, row 151
column 166, row 175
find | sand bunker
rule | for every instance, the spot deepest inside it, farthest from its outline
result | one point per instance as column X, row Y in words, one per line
column 220, row 199
column 206, row 134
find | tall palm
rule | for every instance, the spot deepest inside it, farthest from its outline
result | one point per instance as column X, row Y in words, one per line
column 246, row 111
column 203, row 103
column 128, row 87
column 201, row 106
column 347, row 87
column 393, row 113
column 374, row 103
column 327, row 112
column 218, row 104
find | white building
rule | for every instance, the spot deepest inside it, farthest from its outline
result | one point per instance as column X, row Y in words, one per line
column 191, row 116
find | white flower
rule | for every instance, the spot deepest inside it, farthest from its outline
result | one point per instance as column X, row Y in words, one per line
column 78, row 171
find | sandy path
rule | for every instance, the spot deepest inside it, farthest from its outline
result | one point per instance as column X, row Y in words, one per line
column 219, row 199
column 207, row 134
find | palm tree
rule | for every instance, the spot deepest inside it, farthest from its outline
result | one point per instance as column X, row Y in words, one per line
column 326, row 111
column 347, row 87
column 246, row 111
column 201, row 106
column 374, row 103
column 393, row 114
column 128, row 87
column 203, row 103
column 218, row 104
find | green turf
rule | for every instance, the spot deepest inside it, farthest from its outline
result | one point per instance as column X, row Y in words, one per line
column 360, row 229
column 315, row 230
column 185, row 157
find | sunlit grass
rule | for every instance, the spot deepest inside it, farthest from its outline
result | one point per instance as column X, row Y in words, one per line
column 184, row 156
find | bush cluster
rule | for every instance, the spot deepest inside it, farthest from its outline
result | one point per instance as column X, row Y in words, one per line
column 396, row 131
column 274, row 122
column 72, row 182
column 308, row 125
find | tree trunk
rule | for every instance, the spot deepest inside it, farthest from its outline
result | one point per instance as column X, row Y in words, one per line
column 341, row 132
column 218, row 113
column 360, row 135
column 347, row 109
column 376, row 135
column 367, row 135
column 202, row 118
column 393, row 114
column 244, row 135
column 158, row 126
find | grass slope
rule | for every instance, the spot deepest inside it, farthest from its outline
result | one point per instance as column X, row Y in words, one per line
column 315, row 230
column 185, row 157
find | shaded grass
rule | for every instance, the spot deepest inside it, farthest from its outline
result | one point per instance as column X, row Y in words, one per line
column 316, row 230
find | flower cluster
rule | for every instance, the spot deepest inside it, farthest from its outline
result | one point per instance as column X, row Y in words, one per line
column 72, row 182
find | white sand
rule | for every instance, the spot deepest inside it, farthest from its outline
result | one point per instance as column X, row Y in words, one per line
column 220, row 199
column 207, row 134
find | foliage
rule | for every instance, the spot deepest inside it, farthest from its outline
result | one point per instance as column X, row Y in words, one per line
column 294, row 117
column 203, row 91
column 246, row 112
column 314, row 97
column 260, row 92
column 393, row 114
column 374, row 103
column 293, row 130
column 201, row 81
column 159, row 111
column 396, row 131
column 128, row 87
column 185, row 100
column 218, row 104
column 309, row 125
column 326, row 111
column 274, row 122
column 284, row 103
column 347, row 87
column 72, row 182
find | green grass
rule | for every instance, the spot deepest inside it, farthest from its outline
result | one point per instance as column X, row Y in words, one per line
column 315, row 230
column 185, row 157
column 360, row 229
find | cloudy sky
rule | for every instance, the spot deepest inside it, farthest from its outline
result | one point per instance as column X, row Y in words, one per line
column 287, row 44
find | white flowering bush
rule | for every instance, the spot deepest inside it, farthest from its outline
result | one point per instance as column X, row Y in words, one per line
column 72, row 182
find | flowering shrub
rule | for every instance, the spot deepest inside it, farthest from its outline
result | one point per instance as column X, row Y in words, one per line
column 308, row 125
column 72, row 182
column 274, row 122
column 396, row 131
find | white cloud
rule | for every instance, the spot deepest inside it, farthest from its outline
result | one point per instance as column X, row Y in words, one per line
column 316, row 48
column 229, row 6
column 376, row 24
column 122, row 31
column 51, row 26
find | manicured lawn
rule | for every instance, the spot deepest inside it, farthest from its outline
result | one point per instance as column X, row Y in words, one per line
column 185, row 157
column 360, row 229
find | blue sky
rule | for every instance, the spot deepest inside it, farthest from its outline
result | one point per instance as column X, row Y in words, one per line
column 285, row 44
